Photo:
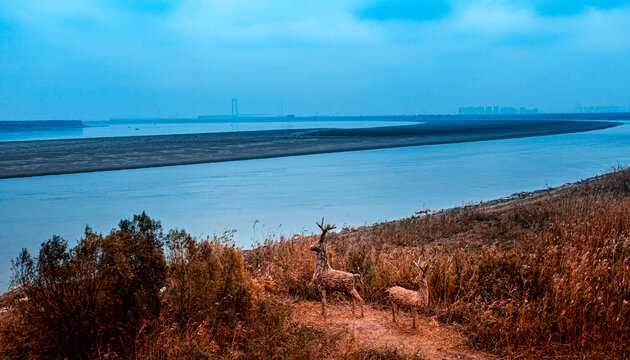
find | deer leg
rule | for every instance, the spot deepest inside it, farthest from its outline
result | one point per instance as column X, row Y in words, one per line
column 324, row 303
column 355, row 295
column 394, row 306
column 353, row 300
column 415, row 317
column 362, row 315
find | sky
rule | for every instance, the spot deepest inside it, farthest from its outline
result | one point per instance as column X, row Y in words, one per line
column 101, row 59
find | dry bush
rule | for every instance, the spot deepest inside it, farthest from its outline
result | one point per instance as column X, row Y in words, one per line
column 77, row 302
column 206, row 281
column 264, row 332
column 123, row 297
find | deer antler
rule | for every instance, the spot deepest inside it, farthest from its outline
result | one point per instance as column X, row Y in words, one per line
column 417, row 263
column 321, row 226
column 324, row 229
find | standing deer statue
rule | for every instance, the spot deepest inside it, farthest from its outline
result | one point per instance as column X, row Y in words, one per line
column 327, row 279
column 416, row 300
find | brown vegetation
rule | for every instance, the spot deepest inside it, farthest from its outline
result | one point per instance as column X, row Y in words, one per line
column 547, row 275
column 138, row 293
column 544, row 276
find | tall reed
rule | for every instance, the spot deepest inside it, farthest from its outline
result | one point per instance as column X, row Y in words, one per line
column 548, row 274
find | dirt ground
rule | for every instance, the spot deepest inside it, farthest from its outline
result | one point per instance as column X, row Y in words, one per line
column 376, row 330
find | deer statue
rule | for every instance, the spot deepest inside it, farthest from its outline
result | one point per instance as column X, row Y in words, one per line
column 415, row 300
column 327, row 279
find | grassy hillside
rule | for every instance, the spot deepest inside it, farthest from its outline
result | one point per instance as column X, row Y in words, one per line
column 545, row 275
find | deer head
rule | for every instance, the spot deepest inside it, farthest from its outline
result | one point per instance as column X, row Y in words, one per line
column 422, row 267
column 319, row 245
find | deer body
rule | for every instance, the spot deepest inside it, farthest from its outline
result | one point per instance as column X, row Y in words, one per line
column 416, row 300
column 328, row 279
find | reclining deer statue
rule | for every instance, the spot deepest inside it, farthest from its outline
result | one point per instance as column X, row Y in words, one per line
column 416, row 300
column 327, row 279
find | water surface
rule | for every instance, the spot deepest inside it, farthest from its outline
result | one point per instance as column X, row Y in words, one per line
column 287, row 195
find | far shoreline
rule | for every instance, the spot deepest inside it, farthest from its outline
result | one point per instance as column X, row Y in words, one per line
column 55, row 157
column 501, row 203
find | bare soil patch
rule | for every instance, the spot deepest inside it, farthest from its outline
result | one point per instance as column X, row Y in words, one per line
column 377, row 331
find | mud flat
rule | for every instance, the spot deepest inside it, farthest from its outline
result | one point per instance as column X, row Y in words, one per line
column 50, row 157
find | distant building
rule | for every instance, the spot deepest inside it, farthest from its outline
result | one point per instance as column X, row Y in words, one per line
column 495, row 110
column 508, row 110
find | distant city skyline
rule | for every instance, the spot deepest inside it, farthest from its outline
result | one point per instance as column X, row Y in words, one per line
column 511, row 110
column 101, row 59
column 495, row 110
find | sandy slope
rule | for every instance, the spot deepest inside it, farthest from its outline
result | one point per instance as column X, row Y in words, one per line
column 432, row 340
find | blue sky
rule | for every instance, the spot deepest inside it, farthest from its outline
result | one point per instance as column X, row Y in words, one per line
column 96, row 59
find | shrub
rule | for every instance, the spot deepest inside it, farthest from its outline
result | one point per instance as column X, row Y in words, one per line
column 122, row 296
column 92, row 298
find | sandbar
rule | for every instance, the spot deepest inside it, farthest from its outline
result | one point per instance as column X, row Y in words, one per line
column 51, row 157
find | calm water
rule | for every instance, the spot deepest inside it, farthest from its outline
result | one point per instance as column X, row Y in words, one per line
column 96, row 129
column 287, row 195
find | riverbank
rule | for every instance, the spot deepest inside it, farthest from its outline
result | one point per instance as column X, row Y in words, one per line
column 36, row 158
column 539, row 274
column 536, row 274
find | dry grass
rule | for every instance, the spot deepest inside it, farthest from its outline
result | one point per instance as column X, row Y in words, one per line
column 547, row 276
column 542, row 277
column 96, row 301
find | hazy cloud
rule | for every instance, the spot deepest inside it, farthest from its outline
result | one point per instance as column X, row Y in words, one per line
column 160, row 7
column 574, row 7
column 112, row 58
column 415, row 10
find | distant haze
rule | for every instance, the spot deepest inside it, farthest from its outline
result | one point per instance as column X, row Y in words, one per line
column 97, row 59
